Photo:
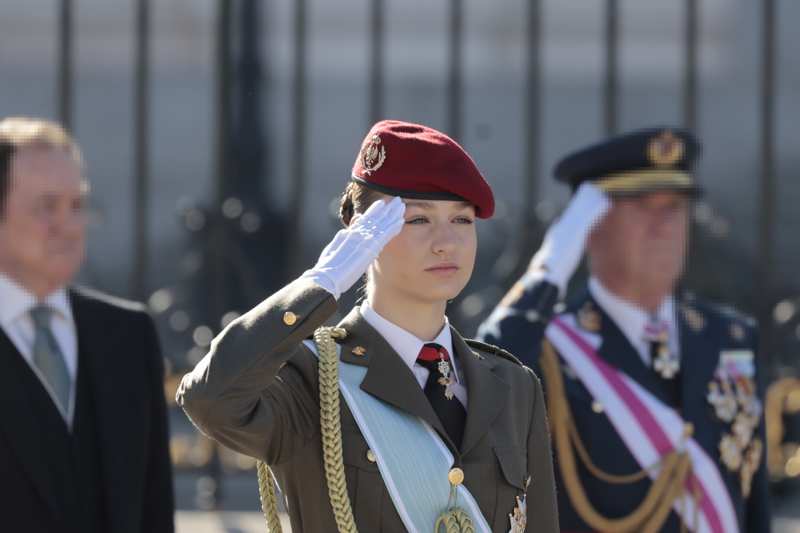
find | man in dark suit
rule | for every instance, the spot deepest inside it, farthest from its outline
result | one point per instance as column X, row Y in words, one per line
column 653, row 396
column 83, row 431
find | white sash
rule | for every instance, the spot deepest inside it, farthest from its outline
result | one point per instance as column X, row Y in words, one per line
column 649, row 428
column 411, row 457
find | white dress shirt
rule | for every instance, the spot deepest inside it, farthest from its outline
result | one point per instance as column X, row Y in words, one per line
column 408, row 346
column 15, row 304
column 631, row 320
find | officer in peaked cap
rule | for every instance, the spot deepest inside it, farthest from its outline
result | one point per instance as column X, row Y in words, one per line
column 431, row 428
column 654, row 398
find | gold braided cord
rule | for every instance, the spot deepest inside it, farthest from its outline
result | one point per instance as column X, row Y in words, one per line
column 330, row 422
column 593, row 468
column 654, row 509
column 269, row 503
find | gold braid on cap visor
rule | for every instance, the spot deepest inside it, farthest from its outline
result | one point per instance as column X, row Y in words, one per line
column 642, row 180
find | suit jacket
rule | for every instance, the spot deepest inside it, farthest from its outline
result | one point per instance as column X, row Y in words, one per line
column 120, row 409
column 704, row 330
column 256, row 392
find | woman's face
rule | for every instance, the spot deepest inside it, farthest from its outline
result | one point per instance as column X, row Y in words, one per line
column 432, row 258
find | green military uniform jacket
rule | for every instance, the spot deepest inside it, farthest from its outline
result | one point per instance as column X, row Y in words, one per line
column 256, row 391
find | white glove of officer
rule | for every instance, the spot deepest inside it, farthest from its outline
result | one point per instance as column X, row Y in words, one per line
column 353, row 249
column 565, row 240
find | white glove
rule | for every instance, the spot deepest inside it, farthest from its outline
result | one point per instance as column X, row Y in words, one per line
column 565, row 240
column 354, row 248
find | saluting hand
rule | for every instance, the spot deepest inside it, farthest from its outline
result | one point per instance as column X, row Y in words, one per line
column 565, row 240
column 346, row 258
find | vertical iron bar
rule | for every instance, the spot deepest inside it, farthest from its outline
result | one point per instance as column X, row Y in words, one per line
column 298, row 163
column 65, row 75
column 223, row 81
column 690, row 64
column 376, row 51
column 141, row 170
column 612, row 60
column 216, row 234
column 533, row 95
column 455, row 82
column 767, row 182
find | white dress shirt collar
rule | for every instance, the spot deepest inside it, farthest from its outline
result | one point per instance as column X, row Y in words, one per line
column 631, row 320
column 17, row 301
column 406, row 344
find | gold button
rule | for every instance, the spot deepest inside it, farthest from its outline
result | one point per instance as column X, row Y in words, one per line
column 597, row 407
column 455, row 476
column 359, row 351
column 688, row 430
column 371, row 456
column 289, row 318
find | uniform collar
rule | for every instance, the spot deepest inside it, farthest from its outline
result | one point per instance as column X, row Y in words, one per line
column 630, row 319
column 406, row 344
column 17, row 301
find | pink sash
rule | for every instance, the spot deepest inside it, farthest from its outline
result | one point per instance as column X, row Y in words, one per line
column 649, row 428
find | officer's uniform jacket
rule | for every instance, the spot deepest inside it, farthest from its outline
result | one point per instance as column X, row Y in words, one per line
column 705, row 331
column 256, row 392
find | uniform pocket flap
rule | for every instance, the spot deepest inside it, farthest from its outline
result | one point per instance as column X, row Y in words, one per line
column 513, row 464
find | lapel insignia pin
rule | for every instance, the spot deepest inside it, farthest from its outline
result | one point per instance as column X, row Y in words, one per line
column 694, row 319
column 359, row 351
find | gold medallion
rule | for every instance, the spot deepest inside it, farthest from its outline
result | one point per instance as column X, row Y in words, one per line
column 665, row 150
column 723, row 400
column 372, row 155
column 730, row 452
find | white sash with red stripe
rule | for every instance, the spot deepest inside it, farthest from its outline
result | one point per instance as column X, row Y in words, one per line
column 649, row 428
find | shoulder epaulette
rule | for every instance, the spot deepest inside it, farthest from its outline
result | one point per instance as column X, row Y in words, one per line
column 492, row 349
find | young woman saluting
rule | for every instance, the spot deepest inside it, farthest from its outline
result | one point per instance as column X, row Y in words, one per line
column 433, row 432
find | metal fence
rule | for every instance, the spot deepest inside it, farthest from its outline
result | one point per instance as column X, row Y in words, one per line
column 240, row 146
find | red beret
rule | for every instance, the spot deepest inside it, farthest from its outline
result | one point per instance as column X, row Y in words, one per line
column 414, row 161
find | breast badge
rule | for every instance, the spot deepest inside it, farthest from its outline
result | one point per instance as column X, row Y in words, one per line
column 732, row 393
column 519, row 517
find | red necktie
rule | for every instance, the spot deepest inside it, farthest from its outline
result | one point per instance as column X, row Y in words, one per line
column 449, row 410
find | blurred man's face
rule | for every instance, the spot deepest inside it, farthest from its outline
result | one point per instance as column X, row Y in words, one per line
column 642, row 240
column 43, row 224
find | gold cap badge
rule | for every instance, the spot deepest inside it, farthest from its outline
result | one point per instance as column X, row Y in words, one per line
column 372, row 155
column 665, row 150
